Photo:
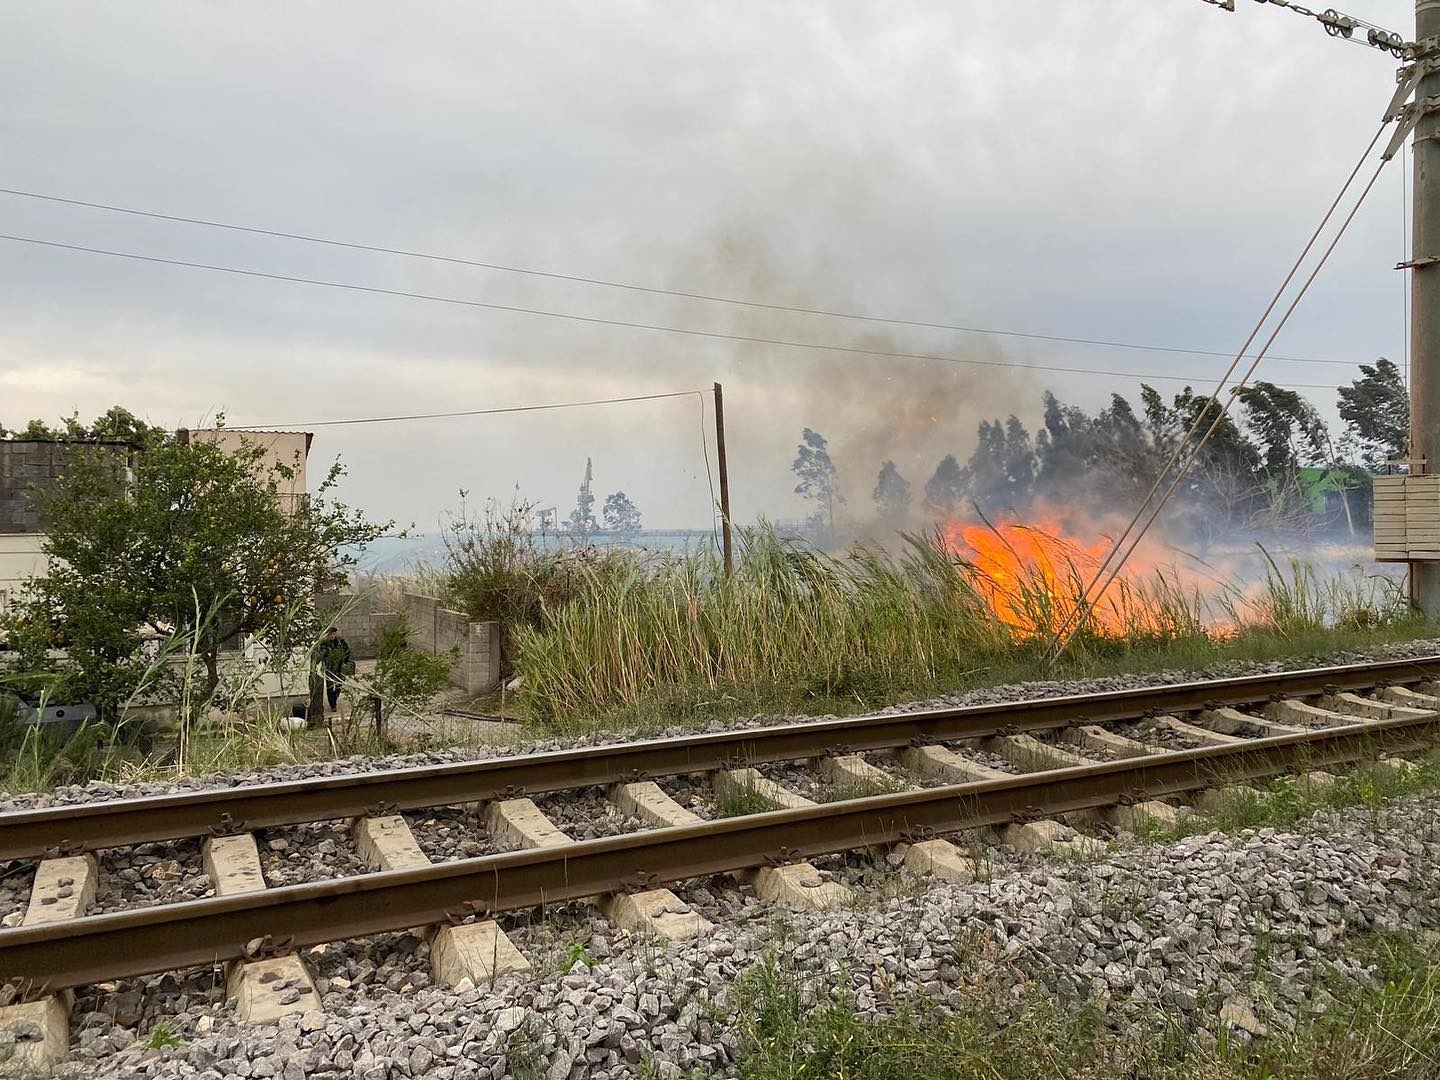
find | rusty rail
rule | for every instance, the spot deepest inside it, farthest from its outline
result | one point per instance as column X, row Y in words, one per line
column 99, row 948
column 116, row 823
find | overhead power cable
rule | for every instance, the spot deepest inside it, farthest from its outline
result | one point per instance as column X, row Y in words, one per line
column 1115, row 561
column 476, row 412
column 651, row 290
column 595, row 320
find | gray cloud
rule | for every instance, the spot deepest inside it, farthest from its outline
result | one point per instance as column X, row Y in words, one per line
column 1141, row 170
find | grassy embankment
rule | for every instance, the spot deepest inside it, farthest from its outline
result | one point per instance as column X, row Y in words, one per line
column 613, row 640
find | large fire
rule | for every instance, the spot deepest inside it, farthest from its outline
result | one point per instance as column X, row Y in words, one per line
column 1034, row 575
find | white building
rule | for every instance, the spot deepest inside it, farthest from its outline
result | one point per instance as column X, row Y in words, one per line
column 28, row 464
column 25, row 466
column 21, row 558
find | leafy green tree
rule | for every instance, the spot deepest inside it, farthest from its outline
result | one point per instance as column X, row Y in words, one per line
column 620, row 515
column 1001, row 471
column 1376, row 411
column 892, row 492
column 945, row 490
column 1162, row 423
column 1107, row 459
column 194, row 542
column 816, row 472
column 581, row 522
column 1287, row 427
column 1228, row 449
column 116, row 424
column 984, row 474
column 1019, row 463
column 1062, row 448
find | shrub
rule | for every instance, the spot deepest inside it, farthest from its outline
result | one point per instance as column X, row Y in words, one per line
column 498, row 566
column 406, row 679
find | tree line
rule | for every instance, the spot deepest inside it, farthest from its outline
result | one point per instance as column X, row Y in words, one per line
column 1271, row 462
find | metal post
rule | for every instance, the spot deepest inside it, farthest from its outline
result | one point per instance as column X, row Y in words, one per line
column 1425, row 300
column 725, row 478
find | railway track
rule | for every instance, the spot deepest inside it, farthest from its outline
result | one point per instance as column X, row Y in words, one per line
column 1120, row 756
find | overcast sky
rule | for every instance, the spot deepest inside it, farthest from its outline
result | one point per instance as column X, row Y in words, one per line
column 1139, row 170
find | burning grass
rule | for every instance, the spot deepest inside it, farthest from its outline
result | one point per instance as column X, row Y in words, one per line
column 1034, row 576
column 962, row 607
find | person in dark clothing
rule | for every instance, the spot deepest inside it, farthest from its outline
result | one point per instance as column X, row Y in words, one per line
column 337, row 661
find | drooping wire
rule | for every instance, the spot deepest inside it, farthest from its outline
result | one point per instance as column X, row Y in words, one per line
column 1081, row 612
column 1083, row 609
column 477, row 412
column 595, row 320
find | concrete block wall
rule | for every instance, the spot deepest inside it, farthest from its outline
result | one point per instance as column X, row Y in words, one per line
column 421, row 616
column 435, row 629
column 478, row 669
column 27, row 464
column 358, row 624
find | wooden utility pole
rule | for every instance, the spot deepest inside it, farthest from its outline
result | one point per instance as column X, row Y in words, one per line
column 724, row 479
column 1425, row 289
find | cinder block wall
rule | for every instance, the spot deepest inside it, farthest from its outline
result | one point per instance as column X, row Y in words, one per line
column 421, row 615
column 27, row 464
column 435, row 629
column 357, row 623
column 478, row 670
column 23, row 465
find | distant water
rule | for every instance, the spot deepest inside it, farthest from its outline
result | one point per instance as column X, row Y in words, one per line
column 395, row 555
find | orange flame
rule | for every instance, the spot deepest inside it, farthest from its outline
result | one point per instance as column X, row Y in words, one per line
column 1033, row 577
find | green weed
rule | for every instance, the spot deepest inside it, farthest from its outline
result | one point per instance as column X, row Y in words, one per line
column 1386, row 1027
column 579, row 954
column 740, row 800
column 161, row 1038
column 858, row 789
column 1282, row 802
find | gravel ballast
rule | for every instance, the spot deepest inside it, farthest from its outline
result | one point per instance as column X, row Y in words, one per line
column 1176, row 926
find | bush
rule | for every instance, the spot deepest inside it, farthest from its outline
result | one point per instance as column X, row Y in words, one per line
column 406, row 679
column 497, row 566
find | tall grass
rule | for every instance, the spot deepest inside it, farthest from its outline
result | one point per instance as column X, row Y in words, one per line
column 1297, row 600
column 789, row 615
column 856, row 625
column 870, row 624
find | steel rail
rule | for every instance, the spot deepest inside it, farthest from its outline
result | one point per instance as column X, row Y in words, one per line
column 99, row 948
column 116, row 823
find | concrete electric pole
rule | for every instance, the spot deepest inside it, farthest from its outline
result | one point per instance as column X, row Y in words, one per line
column 1411, row 531
column 1424, row 270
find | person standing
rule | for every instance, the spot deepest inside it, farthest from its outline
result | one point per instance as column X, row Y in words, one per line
column 337, row 663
